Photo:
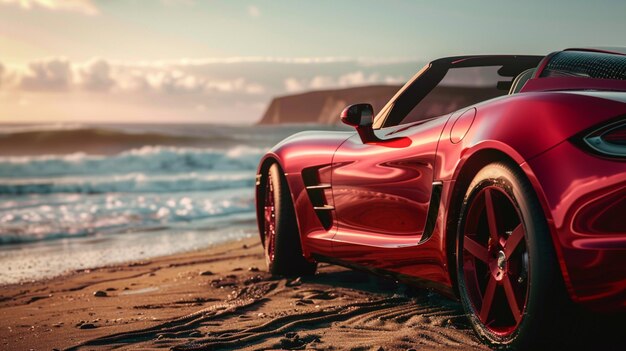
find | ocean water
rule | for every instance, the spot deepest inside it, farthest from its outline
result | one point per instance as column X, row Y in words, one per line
column 73, row 209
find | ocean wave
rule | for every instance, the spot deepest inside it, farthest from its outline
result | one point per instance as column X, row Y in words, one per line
column 191, row 178
column 27, row 128
column 62, row 140
column 86, row 215
column 128, row 183
column 148, row 159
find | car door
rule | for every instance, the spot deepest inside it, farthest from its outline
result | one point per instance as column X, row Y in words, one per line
column 382, row 191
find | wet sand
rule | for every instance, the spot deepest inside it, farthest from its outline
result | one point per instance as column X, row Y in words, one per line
column 222, row 298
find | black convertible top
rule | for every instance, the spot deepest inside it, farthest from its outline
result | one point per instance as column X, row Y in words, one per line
column 418, row 87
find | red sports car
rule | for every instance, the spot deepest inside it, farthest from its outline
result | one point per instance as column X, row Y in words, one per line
column 506, row 190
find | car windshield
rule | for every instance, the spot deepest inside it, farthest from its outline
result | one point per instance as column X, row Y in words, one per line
column 460, row 87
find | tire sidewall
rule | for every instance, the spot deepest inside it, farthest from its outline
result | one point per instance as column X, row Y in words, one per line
column 279, row 213
column 541, row 267
column 288, row 258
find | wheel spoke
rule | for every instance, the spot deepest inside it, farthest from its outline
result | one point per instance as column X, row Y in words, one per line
column 516, row 237
column 475, row 249
column 491, row 216
column 268, row 214
column 490, row 292
column 510, row 296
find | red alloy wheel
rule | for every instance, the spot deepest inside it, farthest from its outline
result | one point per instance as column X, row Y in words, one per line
column 270, row 220
column 495, row 260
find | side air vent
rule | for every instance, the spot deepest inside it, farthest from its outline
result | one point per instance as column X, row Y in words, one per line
column 317, row 182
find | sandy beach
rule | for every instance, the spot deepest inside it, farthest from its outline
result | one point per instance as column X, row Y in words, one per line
column 221, row 298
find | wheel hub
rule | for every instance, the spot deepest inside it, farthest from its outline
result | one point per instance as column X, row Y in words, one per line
column 498, row 263
column 501, row 260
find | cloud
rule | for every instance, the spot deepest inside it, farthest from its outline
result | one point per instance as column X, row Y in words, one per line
column 351, row 79
column 86, row 7
column 240, row 76
column 206, row 89
column 96, row 76
column 236, row 85
column 99, row 75
column 264, row 77
column 394, row 80
column 293, row 85
column 174, row 80
column 254, row 11
column 321, row 82
column 50, row 74
column 358, row 78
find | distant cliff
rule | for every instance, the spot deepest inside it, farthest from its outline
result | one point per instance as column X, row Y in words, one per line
column 324, row 106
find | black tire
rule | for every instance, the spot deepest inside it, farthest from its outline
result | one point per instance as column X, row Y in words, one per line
column 529, row 271
column 285, row 256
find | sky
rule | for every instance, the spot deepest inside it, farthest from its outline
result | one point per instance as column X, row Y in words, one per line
column 168, row 61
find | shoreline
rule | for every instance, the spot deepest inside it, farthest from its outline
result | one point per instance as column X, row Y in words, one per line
column 221, row 298
column 33, row 261
column 124, row 261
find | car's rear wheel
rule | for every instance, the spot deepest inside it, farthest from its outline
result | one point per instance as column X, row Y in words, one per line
column 508, row 275
column 281, row 236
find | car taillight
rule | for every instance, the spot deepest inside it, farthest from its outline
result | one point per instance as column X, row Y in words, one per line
column 616, row 136
column 610, row 140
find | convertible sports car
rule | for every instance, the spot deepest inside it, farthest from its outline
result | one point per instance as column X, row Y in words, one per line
column 510, row 195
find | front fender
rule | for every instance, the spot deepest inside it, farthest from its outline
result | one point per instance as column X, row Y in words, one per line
column 305, row 150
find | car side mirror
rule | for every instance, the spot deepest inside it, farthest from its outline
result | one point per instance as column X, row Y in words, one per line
column 358, row 115
column 361, row 117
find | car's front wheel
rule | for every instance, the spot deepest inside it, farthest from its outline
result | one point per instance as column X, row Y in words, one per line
column 281, row 236
column 508, row 275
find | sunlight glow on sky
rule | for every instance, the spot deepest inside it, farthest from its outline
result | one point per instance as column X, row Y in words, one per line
column 222, row 61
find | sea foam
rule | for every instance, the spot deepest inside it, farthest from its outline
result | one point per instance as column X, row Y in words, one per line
column 162, row 159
